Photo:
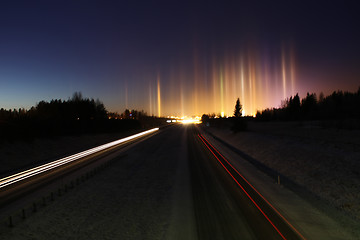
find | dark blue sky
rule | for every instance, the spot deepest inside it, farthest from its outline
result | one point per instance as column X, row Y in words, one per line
column 110, row 49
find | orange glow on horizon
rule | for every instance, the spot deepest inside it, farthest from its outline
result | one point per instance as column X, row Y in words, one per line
column 259, row 80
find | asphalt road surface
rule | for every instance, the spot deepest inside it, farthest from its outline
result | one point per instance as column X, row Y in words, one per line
column 169, row 186
column 222, row 209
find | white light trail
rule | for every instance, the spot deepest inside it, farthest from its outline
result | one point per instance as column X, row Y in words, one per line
column 48, row 166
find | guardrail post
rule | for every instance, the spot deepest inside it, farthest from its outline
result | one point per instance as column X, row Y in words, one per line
column 278, row 179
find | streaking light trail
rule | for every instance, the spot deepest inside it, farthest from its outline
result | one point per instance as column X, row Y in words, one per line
column 46, row 167
column 223, row 161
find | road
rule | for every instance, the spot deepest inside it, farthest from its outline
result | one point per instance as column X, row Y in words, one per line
column 225, row 205
column 170, row 186
column 16, row 187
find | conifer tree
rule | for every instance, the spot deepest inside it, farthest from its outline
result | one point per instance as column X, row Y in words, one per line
column 237, row 111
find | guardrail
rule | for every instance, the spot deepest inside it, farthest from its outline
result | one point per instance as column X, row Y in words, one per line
column 278, row 177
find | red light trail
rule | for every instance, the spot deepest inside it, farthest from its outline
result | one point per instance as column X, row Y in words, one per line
column 210, row 147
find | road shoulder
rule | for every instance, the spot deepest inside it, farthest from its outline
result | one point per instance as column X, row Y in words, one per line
column 310, row 221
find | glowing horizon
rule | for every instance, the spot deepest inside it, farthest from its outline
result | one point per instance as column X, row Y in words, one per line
column 182, row 60
column 258, row 79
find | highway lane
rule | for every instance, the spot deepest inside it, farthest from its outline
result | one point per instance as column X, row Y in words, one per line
column 21, row 176
column 226, row 207
column 19, row 184
column 169, row 186
column 130, row 199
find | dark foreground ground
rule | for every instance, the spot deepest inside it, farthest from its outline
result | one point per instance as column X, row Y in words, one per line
column 166, row 187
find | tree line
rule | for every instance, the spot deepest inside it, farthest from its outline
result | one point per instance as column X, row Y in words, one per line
column 75, row 108
column 77, row 115
column 338, row 105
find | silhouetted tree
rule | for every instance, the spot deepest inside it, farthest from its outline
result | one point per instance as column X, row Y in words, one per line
column 239, row 123
column 293, row 107
column 212, row 115
column 309, row 106
column 205, row 118
column 127, row 114
column 237, row 111
column 77, row 96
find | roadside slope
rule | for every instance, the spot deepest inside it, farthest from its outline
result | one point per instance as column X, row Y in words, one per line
column 314, row 222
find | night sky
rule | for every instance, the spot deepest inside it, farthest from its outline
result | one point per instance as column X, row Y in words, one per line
column 177, row 57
